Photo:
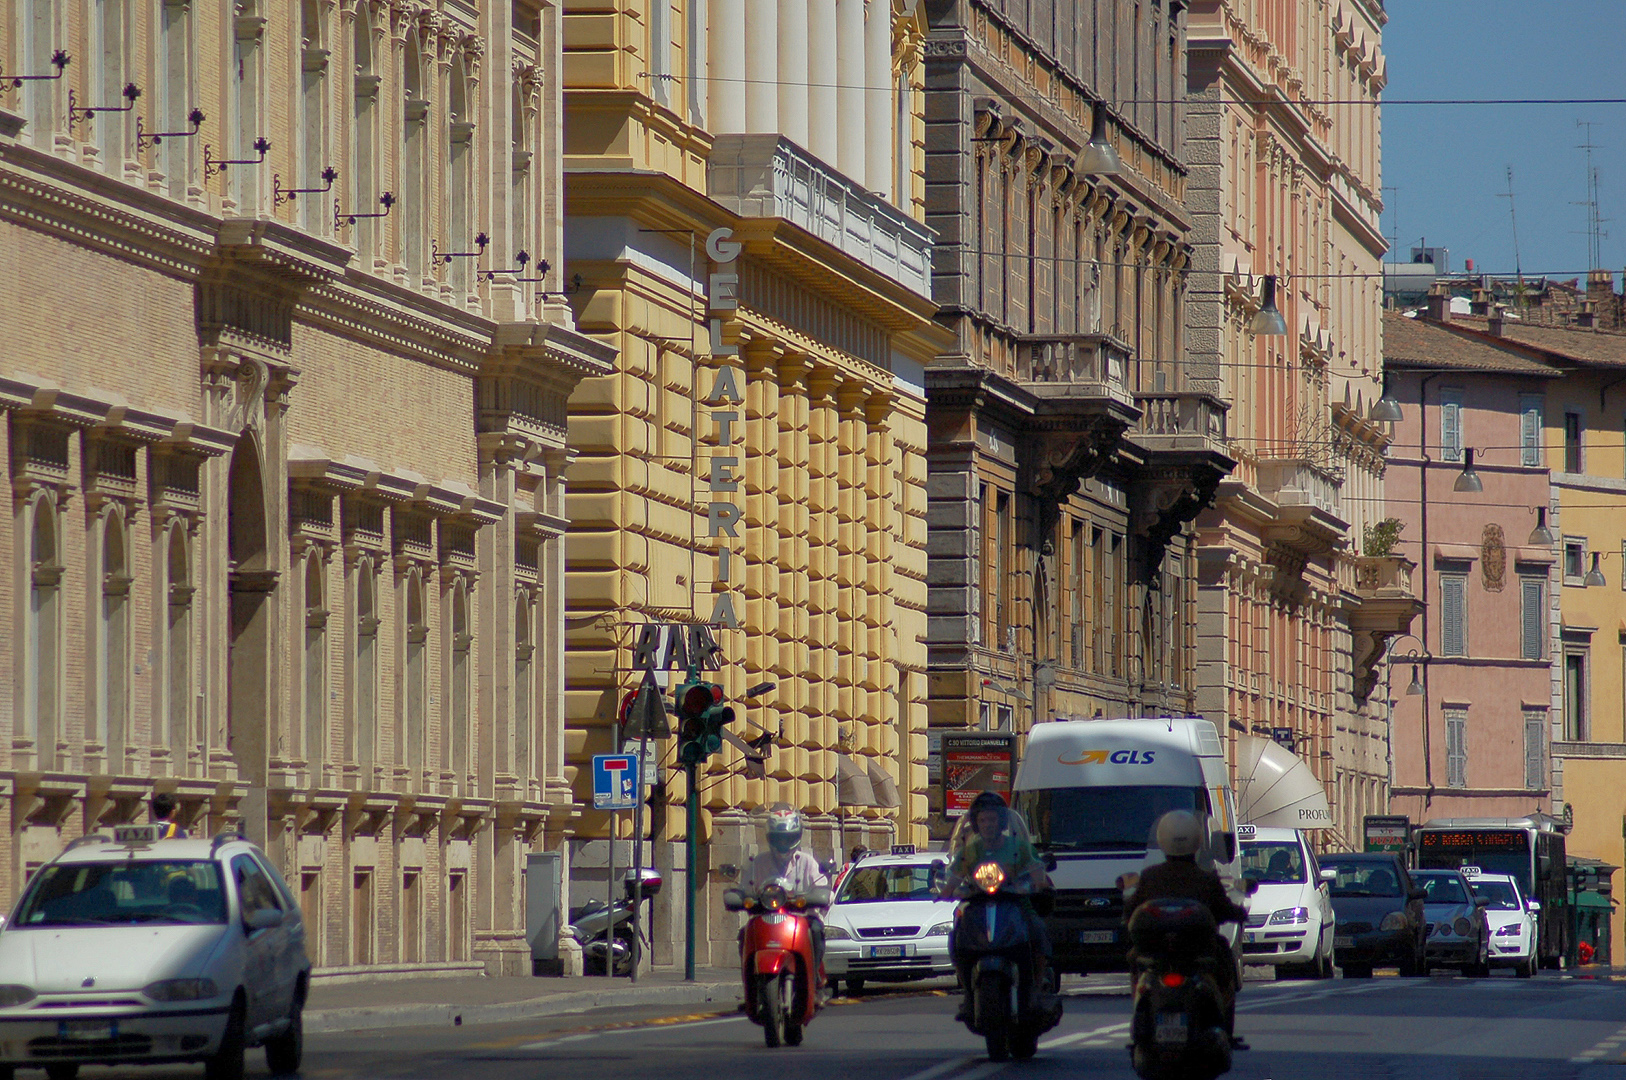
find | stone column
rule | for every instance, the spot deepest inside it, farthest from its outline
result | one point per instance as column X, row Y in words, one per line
column 850, row 88
column 821, row 78
column 726, row 44
column 762, row 66
column 878, row 118
column 794, row 50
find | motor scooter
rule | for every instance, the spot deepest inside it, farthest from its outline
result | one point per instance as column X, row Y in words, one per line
column 1010, row 1009
column 782, row 981
column 606, row 935
column 1180, row 1027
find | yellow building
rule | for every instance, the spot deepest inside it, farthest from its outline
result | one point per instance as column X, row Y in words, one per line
column 285, row 438
column 756, row 461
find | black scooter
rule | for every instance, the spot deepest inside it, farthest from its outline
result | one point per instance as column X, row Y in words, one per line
column 607, row 940
column 991, row 939
column 1181, row 1028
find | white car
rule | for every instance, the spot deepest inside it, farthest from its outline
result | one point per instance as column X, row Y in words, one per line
column 1511, row 918
column 130, row 949
column 887, row 922
column 1290, row 918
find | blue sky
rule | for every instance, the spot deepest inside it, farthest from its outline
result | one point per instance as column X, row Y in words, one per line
column 1449, row 163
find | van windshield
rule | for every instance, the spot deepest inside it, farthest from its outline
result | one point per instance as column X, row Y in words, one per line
column 1103, row 818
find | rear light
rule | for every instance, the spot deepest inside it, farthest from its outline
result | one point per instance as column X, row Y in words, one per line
column 1172, row 979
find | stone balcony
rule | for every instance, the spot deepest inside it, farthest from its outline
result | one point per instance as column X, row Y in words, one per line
column 1384, row 606
column 1081, row 407
column 1181, row 437
column 1298, row 482
column 767, row 175
column 1306, row 521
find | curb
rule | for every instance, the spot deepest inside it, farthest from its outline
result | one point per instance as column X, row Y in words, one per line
column 366, row 1018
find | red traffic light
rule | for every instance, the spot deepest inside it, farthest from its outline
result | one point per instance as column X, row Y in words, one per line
column 700, row 697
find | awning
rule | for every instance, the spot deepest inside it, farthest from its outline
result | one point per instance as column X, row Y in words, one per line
column 1276, row 789
column 853, row 787
column 884, row 787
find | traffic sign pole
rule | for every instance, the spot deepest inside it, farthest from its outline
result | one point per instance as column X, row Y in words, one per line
column 609, row 910
column 691, row 849
column 638, row 854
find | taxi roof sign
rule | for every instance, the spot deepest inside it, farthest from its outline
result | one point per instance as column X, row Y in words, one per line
column 1245, row 832
column 135, row 835
column 1470, row 871
column 903, row 849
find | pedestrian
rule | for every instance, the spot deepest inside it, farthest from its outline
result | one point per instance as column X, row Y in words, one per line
column 163, row 812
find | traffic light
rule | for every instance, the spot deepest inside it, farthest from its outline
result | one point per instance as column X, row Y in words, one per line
column 701, row 719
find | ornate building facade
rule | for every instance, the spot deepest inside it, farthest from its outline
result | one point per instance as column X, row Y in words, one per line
column 1294, row 618
column 756, row 461
column 1069, row 449
column 287, row 466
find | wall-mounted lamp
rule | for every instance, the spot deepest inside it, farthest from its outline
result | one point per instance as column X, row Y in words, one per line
column 144, row 137
column 59, row 60
column 1386, row 408
column 438, row 256
column 523, row 258
column 76, row 113
column 1540, row 536
column 211, row 165
column 1268, row 319
column 1594, row 576
column 1468, row 480
column 1100, row 157
column 385, row 200
column 280, row 194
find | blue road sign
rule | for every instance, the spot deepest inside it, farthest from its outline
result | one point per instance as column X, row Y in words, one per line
column 615, row 781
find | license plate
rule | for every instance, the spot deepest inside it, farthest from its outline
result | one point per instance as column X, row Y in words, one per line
column 1171, row 1028
column 878, row 951
column 88, row 1030
column 1343, row 941
column 1097, row 937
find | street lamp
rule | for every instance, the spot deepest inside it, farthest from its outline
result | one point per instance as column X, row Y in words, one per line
column 1594, row 576
column 1386, row 407
column 1268, row 319
column 1540, row 536
column 1100, row 157
column 1468, row 480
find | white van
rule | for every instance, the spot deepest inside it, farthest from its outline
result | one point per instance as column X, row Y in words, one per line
column 1092, row 792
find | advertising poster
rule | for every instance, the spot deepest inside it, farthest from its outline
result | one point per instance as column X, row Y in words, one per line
column 974, row 763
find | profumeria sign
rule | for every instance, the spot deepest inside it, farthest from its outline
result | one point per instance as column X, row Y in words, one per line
column 723, row 401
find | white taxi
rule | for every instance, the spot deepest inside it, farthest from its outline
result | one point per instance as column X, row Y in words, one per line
column 1290, row 918
column 1511, row 919
column 887, row 922
column 129, row 949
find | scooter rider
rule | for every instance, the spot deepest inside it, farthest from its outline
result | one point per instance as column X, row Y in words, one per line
column 796, row 870
column 1179, row 835
column 990, row 837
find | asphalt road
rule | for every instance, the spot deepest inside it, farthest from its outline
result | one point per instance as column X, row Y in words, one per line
column 1440, row 1028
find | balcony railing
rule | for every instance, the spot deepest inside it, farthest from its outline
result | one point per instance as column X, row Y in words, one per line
column 1072, row 358
column 1297, row 482
column 1183, row 414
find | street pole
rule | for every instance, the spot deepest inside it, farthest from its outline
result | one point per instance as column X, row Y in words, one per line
column 691, row 849
column 638, row 854
column 609, row 910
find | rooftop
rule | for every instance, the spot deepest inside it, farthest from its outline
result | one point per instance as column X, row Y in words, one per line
column 1418, row 343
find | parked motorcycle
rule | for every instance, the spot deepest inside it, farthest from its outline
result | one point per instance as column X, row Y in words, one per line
column 776, row 960
column 1010, row 1009
column 606, row 936
column 1180, row 1028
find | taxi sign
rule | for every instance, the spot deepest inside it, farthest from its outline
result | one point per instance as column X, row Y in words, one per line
column 1470, row 871
column 1245, row 832
column 135, row 834
column 903, row 849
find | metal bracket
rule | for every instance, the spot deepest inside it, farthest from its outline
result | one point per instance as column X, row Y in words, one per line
column 212, row 165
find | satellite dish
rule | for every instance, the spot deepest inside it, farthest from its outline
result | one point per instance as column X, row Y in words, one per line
column 1276, row 789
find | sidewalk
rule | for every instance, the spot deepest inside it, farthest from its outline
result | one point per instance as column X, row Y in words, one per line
column 358, row 1006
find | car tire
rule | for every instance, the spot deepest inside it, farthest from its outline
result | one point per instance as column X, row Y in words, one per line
column 62, row 1070
column 1525, row 969
column 284, row 1052
column 855, row 987
column 227, row 1061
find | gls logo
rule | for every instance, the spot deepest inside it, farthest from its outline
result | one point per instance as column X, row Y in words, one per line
column 1116, row 757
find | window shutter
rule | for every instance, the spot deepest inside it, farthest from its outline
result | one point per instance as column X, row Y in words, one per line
column 1530, row 431
column 1450, row 430
column 1453, row 639
column 1534, row 622
column 1456, row 748
column 1535, row 745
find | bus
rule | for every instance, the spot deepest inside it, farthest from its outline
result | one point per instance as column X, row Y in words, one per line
column 1531, row 849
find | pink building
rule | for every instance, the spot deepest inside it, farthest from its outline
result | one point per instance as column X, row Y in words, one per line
column 1481, row 650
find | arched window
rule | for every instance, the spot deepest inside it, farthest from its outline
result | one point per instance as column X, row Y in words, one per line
column 41, row 643
column 364, row 722
column 109, row 74
column 523, row 767
column 314, row 648
column 113, row 645
column 178, row 695
column 456, row 759
column 414, row 205
column 364, row 188
column 417, row 676
column 459, row 195
column 315, row 211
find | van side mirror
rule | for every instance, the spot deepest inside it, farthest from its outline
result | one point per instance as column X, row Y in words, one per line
column 1329, row 874
column 1223, row 845
column 1050, row 861
column 1532, row 905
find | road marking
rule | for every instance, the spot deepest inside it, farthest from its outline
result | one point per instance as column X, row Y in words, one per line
column 544, row 1044
column 1080, row 1036
column 943, row 1068
column 1606, row 1046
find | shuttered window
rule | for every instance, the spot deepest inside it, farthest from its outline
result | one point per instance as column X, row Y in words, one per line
column 1530, row 429
column 1450, row 425
column 1454, row 614
column 1535, row 749
column 1533, row 617
column 1456, row 748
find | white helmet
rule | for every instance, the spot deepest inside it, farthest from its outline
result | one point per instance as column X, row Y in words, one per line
column 1179, row 834
column 784, row 829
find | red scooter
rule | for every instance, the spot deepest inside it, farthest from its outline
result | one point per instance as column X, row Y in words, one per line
column 776, row 960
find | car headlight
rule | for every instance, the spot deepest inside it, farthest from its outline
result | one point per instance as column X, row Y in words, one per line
column 181, row 990
column 13, row 995
column 1395, row 920
column 942, row 929
column 1512, row 929
column 1463, row 927
column 832, row 932
column 1290, row 915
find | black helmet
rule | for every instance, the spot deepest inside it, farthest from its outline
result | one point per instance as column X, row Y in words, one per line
column 988, row 800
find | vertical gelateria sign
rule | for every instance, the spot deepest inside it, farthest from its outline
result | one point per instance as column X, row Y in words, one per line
column 723, row 402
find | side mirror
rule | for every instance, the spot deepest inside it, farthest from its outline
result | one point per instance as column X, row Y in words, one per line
column 262, row 919
column 1049, row 861
column 1223, row 845
column 1417, row 894
column 1329, row 874
column 1532, row 905
column 818, row 897
column 733, row 900
column 1481, row 901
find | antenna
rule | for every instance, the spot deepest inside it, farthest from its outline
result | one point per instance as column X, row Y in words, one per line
column 1518, row 274
column 1594, row 223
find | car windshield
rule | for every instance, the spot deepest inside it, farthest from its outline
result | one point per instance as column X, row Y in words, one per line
column 1441, row 888
column 1363, row 878
column 1501, row 894
column 866, row 884
column 118, row 893
column 1273, row 862
column 1106, row 818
